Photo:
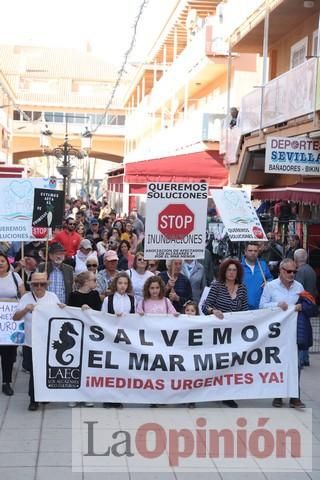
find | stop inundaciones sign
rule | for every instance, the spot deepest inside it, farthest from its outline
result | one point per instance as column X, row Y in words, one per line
column 176, row 221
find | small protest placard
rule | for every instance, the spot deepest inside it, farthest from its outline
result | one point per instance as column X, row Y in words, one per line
column 48, row 208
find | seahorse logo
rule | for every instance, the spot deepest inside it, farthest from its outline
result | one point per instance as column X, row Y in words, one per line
column 65, row 342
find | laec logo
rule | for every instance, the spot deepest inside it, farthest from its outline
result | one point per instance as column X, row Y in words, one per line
column 64, row 357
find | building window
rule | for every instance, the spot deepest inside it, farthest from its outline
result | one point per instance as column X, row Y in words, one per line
column 298, row 53
column 16, row 115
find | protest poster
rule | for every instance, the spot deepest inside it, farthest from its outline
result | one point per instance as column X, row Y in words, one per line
column 48, row 208
column 16, row 208
column 95, row 357
column 11, row 332
column 238, row 215
column 176, row 215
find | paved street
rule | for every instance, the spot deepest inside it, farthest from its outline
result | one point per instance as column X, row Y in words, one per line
column 37, row 445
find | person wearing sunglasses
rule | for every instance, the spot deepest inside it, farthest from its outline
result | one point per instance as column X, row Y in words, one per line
column 92, row 264
column 154, row 267
column 282, row 292
column 38, row 295
column 69, row 238
column 138, row 274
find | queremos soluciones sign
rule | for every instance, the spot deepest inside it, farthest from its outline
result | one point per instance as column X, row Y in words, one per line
column 176, row 216
column 294, row 156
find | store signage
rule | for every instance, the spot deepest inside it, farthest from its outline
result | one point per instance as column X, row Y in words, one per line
column 176, row 217
column 293, row 155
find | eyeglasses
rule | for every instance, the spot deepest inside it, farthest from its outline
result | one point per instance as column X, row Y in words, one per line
column 90, row 265
column 152, row 264
column 141, row 260
column 289, row 271
column 39, row 284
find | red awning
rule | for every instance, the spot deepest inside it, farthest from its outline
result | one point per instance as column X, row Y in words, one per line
column 300, row 192
column 11, row 171
column 191, row 167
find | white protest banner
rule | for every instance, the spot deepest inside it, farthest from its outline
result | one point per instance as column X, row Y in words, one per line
column 176, row 215
column 294, row 156
column 238, row 215
column 11, row 333
column 16, row 208
column 94, row 357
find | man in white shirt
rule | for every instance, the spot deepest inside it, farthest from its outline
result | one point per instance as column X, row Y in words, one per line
column 282, row 292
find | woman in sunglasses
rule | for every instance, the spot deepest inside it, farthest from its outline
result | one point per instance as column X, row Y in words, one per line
column 38, row 295
column 92, row 264
column 138, row 274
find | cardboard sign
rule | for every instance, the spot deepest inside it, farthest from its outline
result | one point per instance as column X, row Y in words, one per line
column 176, row 215
column 238, row 215
column 48, row 208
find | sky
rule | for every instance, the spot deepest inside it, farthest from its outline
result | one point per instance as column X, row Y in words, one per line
column 106, row 24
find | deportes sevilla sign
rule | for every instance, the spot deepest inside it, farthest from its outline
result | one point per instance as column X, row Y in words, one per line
column 176, row 220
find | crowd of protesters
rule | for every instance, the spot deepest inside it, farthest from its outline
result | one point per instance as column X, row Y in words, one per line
column 96, row 261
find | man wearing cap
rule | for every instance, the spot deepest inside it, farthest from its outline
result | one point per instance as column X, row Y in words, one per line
column 38, row 294
column 59, row 274
column 85, row 250
column 105, row 276
column 68, row 238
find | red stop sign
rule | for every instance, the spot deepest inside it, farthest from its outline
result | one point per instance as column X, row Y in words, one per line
column 176, row 221
column 39, row 232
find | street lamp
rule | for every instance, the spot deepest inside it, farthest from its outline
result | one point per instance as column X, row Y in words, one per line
column 65, row 153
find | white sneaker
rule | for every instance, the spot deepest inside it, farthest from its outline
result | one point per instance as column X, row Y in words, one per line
column 72, row 404
column 88, row 404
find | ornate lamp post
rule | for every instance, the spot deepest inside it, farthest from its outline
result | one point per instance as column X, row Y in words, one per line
column 65, row 153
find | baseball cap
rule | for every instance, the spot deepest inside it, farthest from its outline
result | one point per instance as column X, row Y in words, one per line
column 110, row 255
column 94, row 221
column 85, row 243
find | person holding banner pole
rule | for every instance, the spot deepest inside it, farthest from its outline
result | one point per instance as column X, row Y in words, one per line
column 11, row 286
column 38, row 294
column 282, row 292
column 228, row 294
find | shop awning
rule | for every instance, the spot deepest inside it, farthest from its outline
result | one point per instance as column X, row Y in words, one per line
column 191, row 167
column 300, row 192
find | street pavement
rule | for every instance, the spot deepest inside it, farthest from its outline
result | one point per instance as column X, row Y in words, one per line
column 38, row 446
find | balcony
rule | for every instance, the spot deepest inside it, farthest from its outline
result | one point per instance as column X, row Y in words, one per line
column 201, row 61
column 198, row 127
column 21, row 127
column 284, row 98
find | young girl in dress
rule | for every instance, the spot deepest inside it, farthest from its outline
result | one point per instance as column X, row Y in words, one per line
column 154, row 299
column 120, row 300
